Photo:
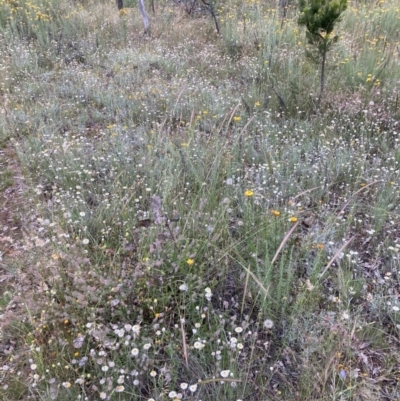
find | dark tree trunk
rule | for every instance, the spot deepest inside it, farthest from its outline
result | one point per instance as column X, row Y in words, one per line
column 210, row 7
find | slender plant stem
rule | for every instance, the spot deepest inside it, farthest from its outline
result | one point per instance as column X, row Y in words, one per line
column 321, row 92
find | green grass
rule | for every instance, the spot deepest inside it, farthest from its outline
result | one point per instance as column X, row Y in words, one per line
column 193, row 229
column 6, row 179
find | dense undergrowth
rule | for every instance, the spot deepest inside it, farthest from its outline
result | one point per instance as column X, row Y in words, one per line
column 196, row 228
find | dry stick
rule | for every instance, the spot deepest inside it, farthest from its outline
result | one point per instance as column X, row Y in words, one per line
column 191, row 119
column 173, row 110
column 354, row 328
column 355, row 193
column 222, row 148
column 129, row 199
column 185, row 354
column 247, row 124
column 230, row 118
column 269, row 162
column 240, row 137
column 304, row 192
column 327, row 369
column 265, row 290
column 171, row 233
column 219, row 380
column 238, row 243
column 231, row 247
column 178, row 98
column 219, row 128
column 246, row 283
column 336, row 256
column 285, row 239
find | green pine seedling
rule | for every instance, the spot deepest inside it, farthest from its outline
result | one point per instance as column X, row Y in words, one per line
column 320, row 18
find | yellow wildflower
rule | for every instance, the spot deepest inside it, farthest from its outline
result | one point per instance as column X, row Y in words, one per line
column 249, row 193
column 190, row 261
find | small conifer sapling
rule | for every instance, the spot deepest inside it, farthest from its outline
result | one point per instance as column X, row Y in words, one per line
column 320, row 17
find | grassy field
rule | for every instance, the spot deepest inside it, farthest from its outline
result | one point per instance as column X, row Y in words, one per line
column 181, row 221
